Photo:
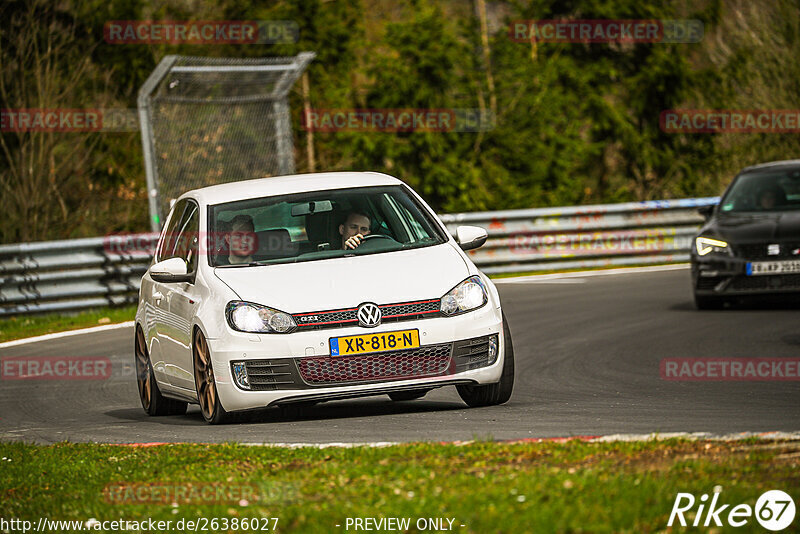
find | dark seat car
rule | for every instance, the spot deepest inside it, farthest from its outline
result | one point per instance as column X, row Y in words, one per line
column 750, row 242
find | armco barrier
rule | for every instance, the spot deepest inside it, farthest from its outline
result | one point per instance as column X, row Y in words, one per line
column 82, row 273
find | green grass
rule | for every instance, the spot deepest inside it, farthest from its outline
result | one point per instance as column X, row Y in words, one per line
column 488, row 487
column 22, row 326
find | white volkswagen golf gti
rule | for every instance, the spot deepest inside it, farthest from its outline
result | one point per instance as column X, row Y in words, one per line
column 308, row 288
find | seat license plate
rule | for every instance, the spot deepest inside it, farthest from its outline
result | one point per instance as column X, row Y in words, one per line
column 381, row 342
column 757, row 268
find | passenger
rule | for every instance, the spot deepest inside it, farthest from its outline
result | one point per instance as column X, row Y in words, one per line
column 240, row 242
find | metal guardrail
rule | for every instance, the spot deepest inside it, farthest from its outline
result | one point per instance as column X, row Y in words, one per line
column 53, row 276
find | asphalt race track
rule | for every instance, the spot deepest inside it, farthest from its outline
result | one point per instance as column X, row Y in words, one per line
column 587, row 352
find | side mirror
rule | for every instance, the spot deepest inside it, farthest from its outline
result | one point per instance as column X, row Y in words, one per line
column 706, row 211
column 171, row 270
column 470, row 237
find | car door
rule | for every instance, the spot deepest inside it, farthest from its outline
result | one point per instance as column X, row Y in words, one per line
column 155, row 295
column 182, row 300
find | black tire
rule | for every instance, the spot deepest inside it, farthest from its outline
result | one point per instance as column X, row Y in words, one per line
column 705, row 302
column 412, row 394
column 500, row 392
column 153, row 402
column 204, row 383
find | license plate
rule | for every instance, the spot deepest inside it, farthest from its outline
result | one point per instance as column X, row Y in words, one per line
column 757, row 268
column 382, row 342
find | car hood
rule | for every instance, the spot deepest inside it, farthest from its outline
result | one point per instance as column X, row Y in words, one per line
column 757, row 227
column 385, row 278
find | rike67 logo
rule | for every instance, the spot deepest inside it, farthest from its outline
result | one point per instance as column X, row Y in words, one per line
column 774, row 510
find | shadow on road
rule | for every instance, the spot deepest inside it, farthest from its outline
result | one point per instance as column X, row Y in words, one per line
column 319, row 412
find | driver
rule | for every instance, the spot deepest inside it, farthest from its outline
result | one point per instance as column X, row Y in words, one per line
column 356, row 225
column 769, row 197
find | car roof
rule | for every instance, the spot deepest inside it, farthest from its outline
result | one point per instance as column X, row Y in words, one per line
column 772, row 164
column 287, row 185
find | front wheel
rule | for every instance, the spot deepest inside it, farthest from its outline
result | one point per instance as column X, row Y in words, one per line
column 153, row 402
column 204, row 382
column 500, row 392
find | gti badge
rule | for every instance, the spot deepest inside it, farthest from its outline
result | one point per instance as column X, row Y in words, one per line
column 369, row 315
column 773, row 250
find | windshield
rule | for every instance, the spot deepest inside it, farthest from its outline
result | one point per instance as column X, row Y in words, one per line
column 317, row 225
column 762, row 191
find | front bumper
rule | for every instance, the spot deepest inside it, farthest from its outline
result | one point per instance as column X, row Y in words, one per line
column 727, row 276
column 312, row 346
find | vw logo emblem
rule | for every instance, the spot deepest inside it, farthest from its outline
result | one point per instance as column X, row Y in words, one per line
column 369, row 315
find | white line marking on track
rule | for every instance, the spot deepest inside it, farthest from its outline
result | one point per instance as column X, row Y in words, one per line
column 68, row 333
column 533, row 278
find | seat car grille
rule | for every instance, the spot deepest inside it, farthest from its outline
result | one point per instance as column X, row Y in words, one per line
column 403, row 311
column 431, row 360
column 759, row 251
column 709, row 282
column 775, row 282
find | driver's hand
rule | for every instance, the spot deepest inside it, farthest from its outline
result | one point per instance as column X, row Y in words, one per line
column 353, row 242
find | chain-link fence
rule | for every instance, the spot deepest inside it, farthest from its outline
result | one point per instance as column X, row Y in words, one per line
column 208, row 121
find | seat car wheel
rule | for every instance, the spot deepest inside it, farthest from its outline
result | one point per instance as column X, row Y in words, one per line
column 212, row 409
column 705, row 302
column 413, row 394
column 491, row 394
column 153, row 402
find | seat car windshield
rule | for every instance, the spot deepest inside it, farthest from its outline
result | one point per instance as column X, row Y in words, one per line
column 764, row 192
column 315, row 226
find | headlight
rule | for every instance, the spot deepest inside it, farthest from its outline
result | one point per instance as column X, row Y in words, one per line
column 249, row 317
column 707, row 245
column 468, row 295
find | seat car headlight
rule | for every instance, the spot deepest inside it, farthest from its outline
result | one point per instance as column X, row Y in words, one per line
column 708, row 245
column 468, row 295
column 249, row 317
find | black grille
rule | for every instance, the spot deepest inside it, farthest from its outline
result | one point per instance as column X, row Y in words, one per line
column 759, row 251
column 271, row 375
column 404, row 311
column 473, row 353
column 413, row 308
column 323, row 371
column 431, row 360
column 775, row 282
